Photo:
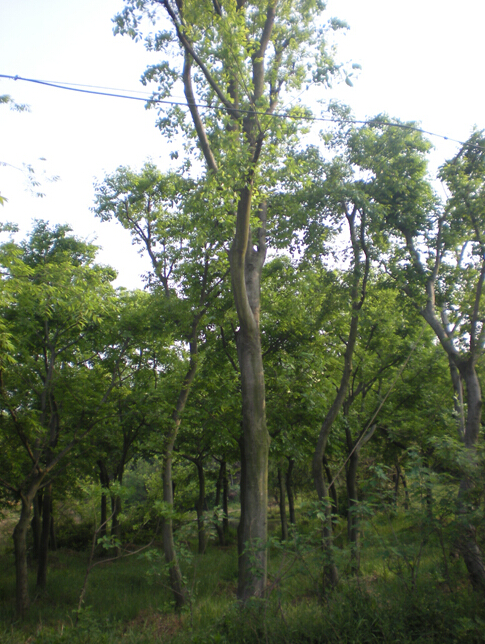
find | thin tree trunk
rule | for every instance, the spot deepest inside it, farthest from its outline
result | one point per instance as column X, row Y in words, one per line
column 467, row 542
column 176, row 582
column 104, row 480
column 217, row 504
column 360, row 273
column 406, row 491
column 289, row 490
column 352, row 517
column 332, row 488
column 202, row 538
column 397, row 477
column 458, row 399
column 175, row 574
column 44, row 537
column 354, row 448
column 225, row 501
column 282, row 504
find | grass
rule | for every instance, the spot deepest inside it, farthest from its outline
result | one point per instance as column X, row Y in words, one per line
column 407, row 592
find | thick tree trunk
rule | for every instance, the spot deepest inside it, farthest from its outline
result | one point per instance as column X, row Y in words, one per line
column 22, row 600
column 289, row 490
column 246, row 261
column 21, row 570
column 282, row 504
column 44, row 537
column 254, row 500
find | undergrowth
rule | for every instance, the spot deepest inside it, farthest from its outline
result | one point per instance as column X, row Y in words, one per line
column 411, row 589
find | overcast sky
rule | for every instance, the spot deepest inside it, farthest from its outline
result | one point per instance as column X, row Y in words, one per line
column 421, row 60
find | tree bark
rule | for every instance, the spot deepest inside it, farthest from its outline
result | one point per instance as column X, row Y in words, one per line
column 255, row 446
column 246, row 264
column 22, row 600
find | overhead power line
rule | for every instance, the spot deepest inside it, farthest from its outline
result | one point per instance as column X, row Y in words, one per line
column 75, row 87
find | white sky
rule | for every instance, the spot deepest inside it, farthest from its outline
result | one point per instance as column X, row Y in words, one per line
column 422, row 60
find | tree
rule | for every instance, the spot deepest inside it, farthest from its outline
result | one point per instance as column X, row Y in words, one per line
column 247, row 56
column 56, row 295
column 439, row 262
column 162, row 214
column 137, row 410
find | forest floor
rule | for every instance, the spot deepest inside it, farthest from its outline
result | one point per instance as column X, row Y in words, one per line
column 408, row 591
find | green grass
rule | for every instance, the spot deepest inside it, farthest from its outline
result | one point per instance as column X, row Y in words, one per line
column 407, row 592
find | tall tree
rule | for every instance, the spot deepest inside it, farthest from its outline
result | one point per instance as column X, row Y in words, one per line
column 246, row 57
column 162, row 213
column 439, row 262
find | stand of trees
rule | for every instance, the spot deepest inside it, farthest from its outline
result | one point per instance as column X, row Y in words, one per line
column 232, row 362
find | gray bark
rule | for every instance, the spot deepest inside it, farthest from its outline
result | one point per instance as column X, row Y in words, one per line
column 22, row 600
